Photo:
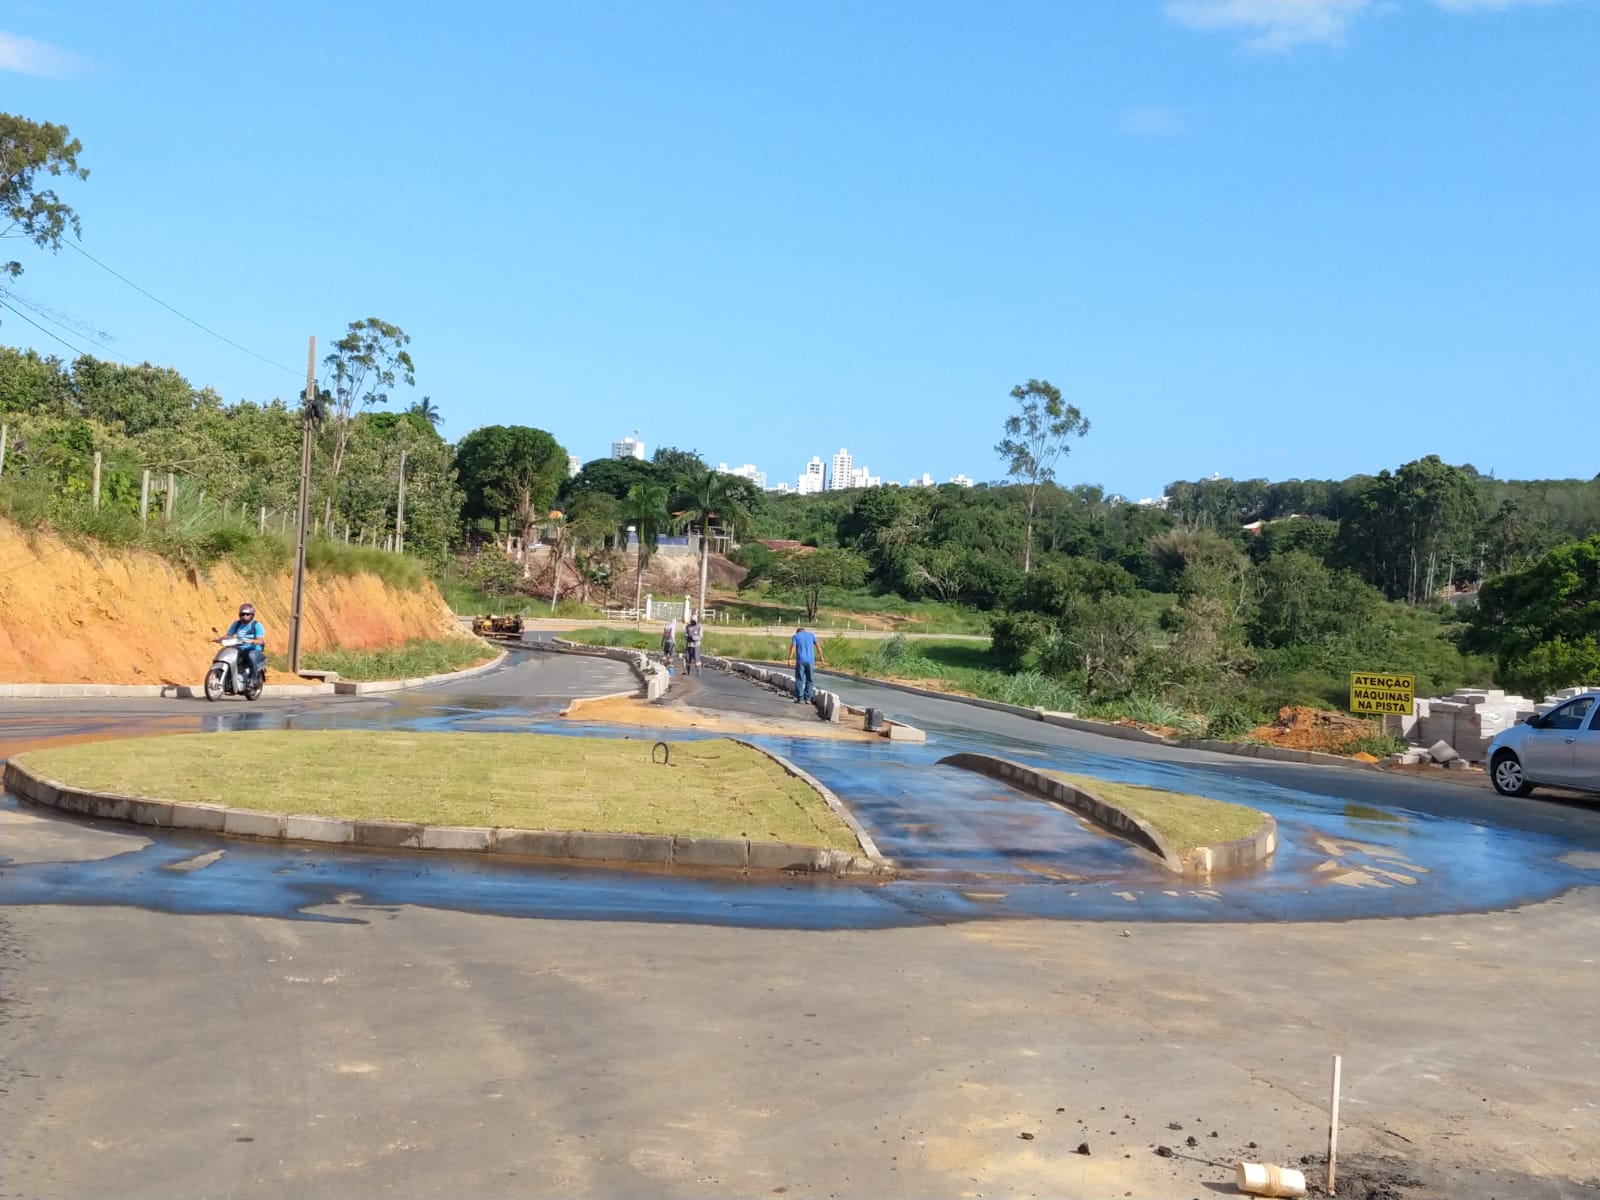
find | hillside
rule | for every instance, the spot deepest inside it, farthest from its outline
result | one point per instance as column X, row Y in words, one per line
column 70, row 615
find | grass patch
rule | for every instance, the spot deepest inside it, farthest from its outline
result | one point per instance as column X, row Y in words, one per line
column 413, row 660
column 1185, row 821
column 713, row 788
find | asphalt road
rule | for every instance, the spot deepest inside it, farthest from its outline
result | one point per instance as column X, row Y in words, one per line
column 353, row 1026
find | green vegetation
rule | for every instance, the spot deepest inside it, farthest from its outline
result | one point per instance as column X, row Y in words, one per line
column 1543, row 623
column 1185, row 821
column 713, row 788
column 413, row 660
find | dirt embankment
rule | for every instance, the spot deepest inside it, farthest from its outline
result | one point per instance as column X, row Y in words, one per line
column 75, row 616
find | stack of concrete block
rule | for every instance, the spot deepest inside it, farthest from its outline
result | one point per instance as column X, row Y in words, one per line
column 1467, row 720
column 1564, row 694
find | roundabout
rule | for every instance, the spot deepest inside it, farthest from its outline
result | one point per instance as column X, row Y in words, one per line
column 338, row 1021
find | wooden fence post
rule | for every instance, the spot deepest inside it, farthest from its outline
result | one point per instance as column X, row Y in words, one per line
column 171, row 498
column 144, row 496
column 95, row 487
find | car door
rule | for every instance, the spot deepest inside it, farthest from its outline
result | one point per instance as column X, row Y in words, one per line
column 1586, row 754
column 1548, row 752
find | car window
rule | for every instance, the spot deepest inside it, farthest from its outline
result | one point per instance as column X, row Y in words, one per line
column 1572, row 715
column 1594, row 721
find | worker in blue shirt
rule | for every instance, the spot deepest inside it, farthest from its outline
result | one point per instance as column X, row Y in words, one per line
column 253, row 639
column 804, row 654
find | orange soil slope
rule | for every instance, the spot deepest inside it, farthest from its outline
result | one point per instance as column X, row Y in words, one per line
column 70, row 616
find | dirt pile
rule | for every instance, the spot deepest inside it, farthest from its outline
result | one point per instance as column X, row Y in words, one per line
column 127, row 617
column 1302, row 728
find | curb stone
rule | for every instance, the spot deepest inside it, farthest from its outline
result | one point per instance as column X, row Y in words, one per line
column 868, row 846
column 575, row 846
column 1216, row 858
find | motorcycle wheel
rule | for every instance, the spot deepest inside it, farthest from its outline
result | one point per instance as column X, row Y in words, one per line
column 214, row 683
column 252, row 690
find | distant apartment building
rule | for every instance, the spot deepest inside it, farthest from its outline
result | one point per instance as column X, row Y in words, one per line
column 839, row 477
column 747, row 471
column 812, row 481
column 962, row 480
column 628, row 448
column 860, row 477
column 781, row 488
column 574, row 465
column 923, row 480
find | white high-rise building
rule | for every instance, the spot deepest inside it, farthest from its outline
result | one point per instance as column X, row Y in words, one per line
column 748, row 471
column 628, row 447
column 860, row 477
column 574, row 465
column 961, row 479
column 923, row 480
column 839, row 477
column 812, row 481
column 781, row 488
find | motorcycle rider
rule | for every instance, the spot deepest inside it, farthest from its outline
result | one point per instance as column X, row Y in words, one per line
column 253, row 639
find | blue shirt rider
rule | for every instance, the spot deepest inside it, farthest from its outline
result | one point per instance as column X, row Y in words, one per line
column 253, row 651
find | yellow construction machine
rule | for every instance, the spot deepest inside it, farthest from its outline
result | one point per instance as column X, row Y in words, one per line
column 507, row 629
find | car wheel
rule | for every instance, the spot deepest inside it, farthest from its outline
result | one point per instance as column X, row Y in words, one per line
column 1506, row 775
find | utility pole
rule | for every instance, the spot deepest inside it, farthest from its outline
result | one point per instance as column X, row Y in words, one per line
column 308, row 425
column 400, row 509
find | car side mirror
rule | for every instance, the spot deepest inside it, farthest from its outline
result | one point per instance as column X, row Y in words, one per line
column 1535, row 720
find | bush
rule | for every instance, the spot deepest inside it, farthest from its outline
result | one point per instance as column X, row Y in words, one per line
column 1228, row 722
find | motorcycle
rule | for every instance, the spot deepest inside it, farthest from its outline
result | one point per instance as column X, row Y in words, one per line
column 227, row 675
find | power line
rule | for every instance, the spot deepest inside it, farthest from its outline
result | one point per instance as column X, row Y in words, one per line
column 176, row 312
column 46, row 332
column 99, row 338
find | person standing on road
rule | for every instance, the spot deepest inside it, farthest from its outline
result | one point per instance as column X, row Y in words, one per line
column 669, row 640
column 692, row 633
column 804, row 654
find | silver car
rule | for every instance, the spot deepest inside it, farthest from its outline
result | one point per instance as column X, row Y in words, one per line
column 1559, row 749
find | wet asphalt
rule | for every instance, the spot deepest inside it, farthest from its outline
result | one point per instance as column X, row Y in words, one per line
column 1353, row 844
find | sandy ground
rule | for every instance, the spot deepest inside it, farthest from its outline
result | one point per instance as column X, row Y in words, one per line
column 635, row 712
column 72, row 616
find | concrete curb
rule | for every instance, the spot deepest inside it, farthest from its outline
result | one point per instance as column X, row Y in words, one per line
column 1217, row 858
column 184, row 691
column 868, row 846
column 655, row 678
column 350, row 687
column 556, row 845
column 1127, row 733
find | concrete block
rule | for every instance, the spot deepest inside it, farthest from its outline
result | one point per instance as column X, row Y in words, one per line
column 242, row 822
column 209, row 817
column 333, row 830
column 619, row 847
column 1457, row 764
column 899, row 731
column 530, row 843
column 456, row 837
column 387, row 835
column 779, row 856
column 710, row 852
column 1442, row 752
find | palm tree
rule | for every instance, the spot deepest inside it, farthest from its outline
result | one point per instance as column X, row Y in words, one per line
column 427, row 410
column 645, row 508
column 714, row 498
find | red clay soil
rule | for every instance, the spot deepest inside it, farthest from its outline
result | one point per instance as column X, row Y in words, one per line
column 1302, row 728
column 98, row 616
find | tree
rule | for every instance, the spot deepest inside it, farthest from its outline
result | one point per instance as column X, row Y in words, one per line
column 645, row 508
column 27, row 149
column 427, row 410
column 679, row 465
column 1035, row 438
column 1542, row 624
column 613, row 476
column 510, row 473
column 1404, row 527
column 715, row 499
column 366, row 362
column 809, row 571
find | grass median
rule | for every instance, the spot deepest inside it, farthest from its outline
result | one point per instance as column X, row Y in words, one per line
column 1185, row 821
column 713, row 788
column 416, row 659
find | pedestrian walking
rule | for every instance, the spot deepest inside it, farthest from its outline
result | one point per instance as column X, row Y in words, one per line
column 804, row 654
column 669, row 640
column 692, row 633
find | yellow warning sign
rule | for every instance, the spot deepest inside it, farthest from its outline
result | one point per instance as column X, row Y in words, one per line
column 1371, row 693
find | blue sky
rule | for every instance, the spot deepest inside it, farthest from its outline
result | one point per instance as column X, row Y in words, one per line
column 1283, row 238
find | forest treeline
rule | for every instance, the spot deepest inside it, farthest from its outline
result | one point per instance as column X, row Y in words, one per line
column 1235, row 596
